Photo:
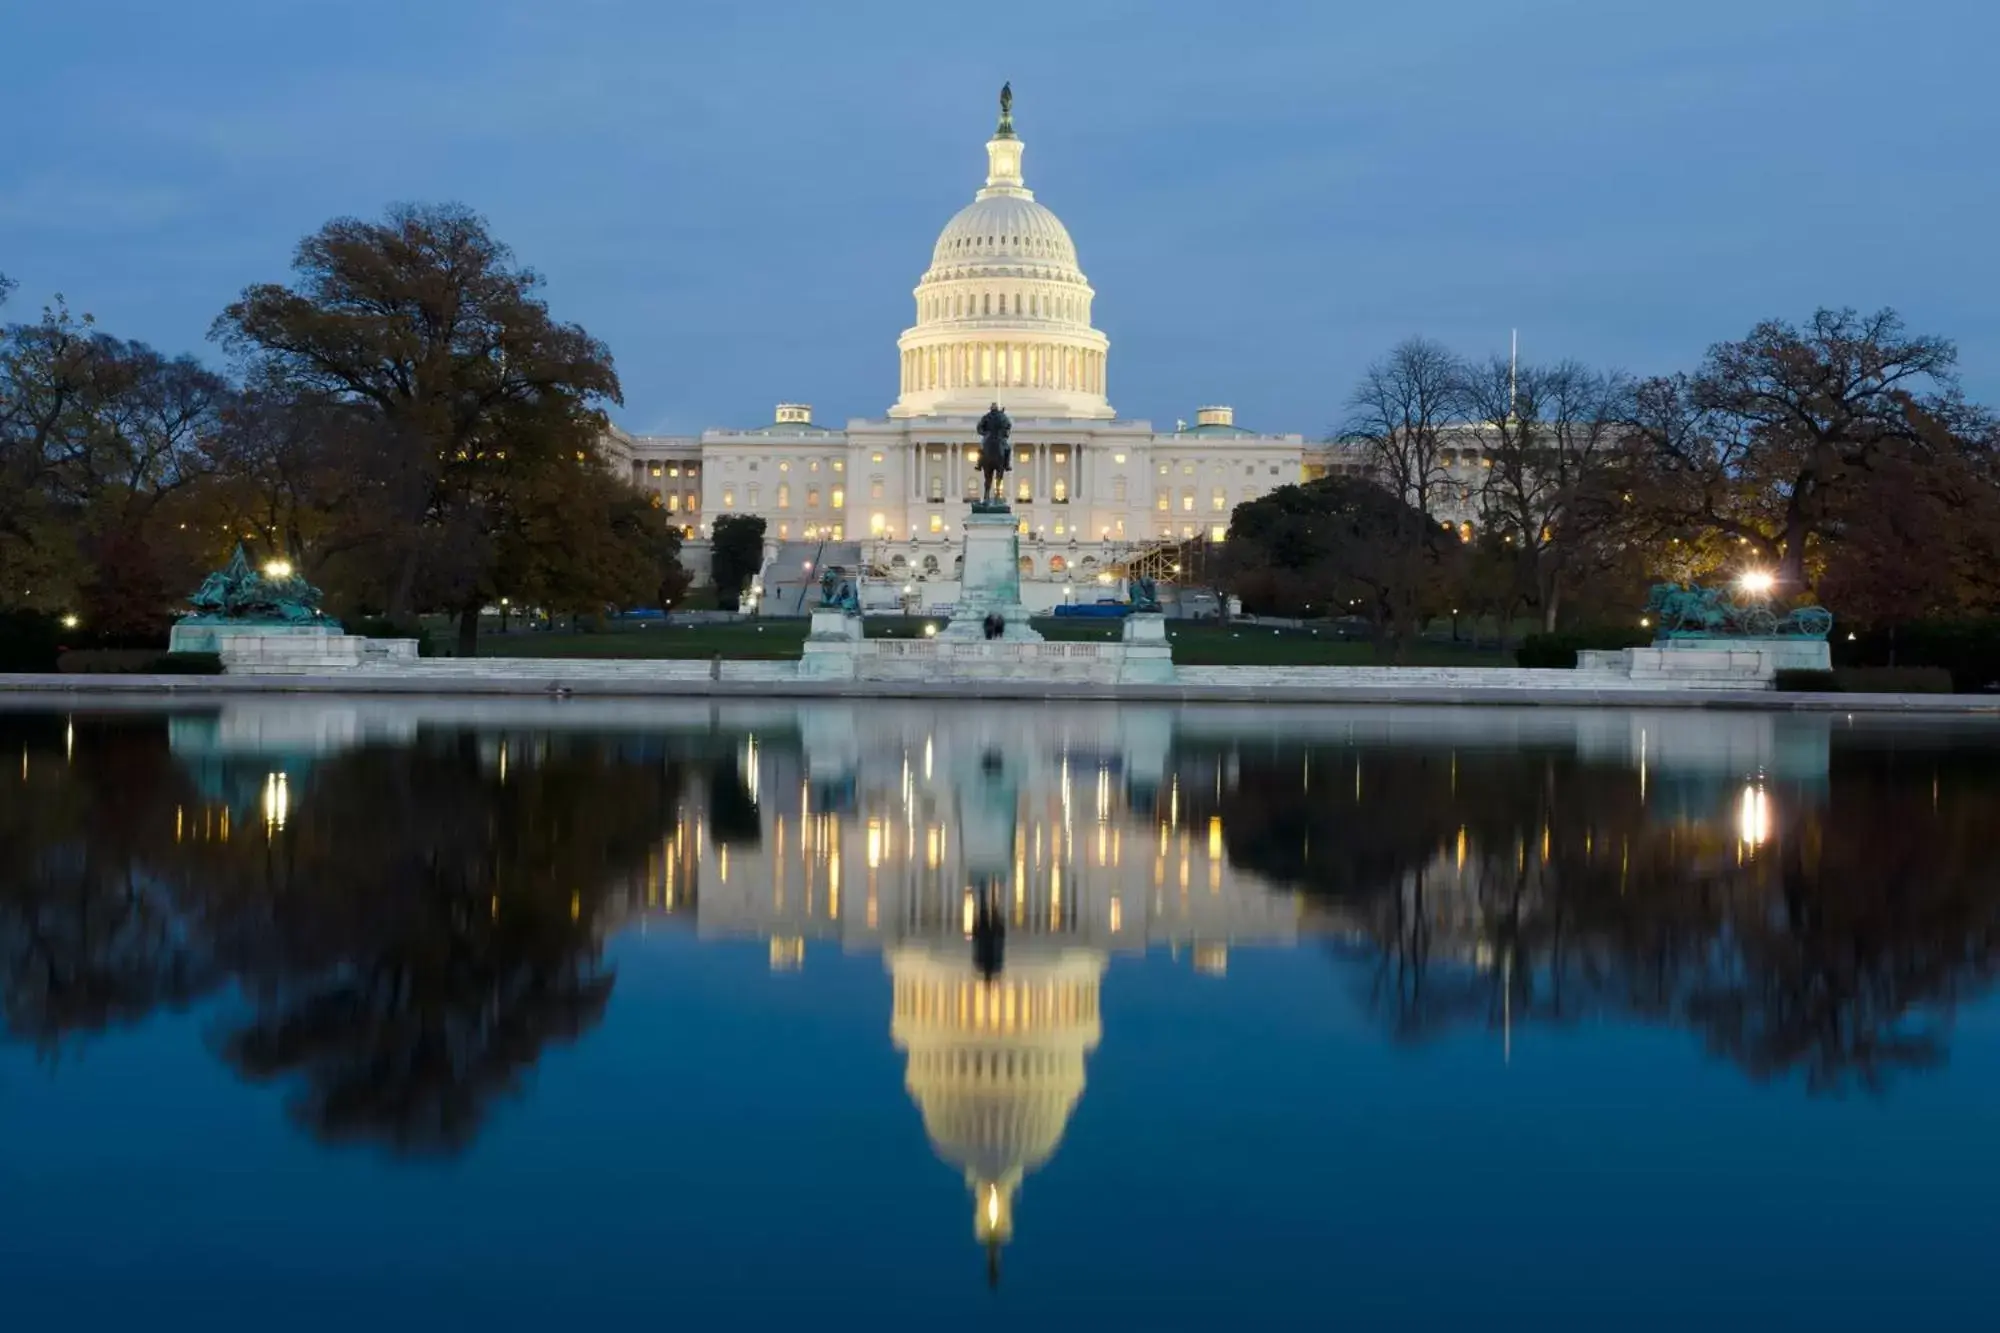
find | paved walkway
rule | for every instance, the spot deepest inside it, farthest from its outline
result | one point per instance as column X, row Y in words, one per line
column 688, row 680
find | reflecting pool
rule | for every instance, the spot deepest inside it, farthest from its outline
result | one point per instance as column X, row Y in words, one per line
column 479, row 1014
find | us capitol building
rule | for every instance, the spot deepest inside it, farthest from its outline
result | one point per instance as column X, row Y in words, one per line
column 1003, row 314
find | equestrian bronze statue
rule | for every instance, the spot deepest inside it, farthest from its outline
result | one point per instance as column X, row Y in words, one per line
column 996, row 458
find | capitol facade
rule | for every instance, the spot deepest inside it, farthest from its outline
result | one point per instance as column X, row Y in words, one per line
column 1003, row 314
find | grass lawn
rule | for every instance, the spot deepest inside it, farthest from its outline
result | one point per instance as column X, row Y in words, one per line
column 1194, row 644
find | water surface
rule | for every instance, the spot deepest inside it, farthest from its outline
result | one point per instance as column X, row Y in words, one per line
column 524, row 1015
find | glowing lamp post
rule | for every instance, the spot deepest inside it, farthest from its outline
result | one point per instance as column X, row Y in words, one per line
column 1757, row 583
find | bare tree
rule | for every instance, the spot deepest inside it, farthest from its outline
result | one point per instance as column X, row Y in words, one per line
column 1549, row 439
column 1402, row 414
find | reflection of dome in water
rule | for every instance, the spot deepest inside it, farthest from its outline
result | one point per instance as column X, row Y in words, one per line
column 995, row 1066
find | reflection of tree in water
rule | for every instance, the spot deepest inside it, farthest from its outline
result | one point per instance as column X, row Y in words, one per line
column 427, row 921
column 434, row 927
column 88, row 935
column 1536, row 887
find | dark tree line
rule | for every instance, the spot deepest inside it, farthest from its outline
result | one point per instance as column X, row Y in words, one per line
column 406, row 424
column 1841, row 457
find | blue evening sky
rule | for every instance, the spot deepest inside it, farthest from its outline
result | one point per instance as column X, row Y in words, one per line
column 739, row 196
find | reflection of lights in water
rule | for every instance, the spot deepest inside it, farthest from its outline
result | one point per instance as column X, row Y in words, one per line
column 1753, row 816
column 277, row 801
column 750, row 766
column 1214, row 837
column 874, row 844
column 968, row 913
column 992, row 1205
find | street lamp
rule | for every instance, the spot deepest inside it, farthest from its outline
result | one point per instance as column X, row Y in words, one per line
column 1757, row 582
column 70, row 622
column 278, row 570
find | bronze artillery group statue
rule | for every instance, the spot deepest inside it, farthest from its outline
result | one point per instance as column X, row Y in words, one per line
column 1695, row 612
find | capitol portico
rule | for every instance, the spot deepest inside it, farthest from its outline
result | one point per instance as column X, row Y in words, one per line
column 1004, row 314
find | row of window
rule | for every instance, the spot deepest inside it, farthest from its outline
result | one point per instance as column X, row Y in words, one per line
column 1187, row 469
column 785, row 464
column 979, row 305
column 836, row 498
column 1218, row 499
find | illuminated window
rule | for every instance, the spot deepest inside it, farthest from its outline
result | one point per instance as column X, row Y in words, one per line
column 815, row 465
column 692, row 502
column 1219, row 532
column 654, row 499
column 1187, row 502
column 1117, row 458
column 785, row 467
column 1219, row 500
column 1024, row 491
column 1187, row 469
column 839, row 497
column 937, row 522
column 1059, row 492
column 729, row 499
column 812, row 497
column 874, row 458
column 784, row 496
column 674, row 471
column 656, row 469
column 1118, row 529
column 1163, row 469
column 784, row 532
column 836, row 532
column 1057, row 564
column 876, row 523
column 673, row 504
column 1061, row 531
column 1162, row 501
column 839, row 465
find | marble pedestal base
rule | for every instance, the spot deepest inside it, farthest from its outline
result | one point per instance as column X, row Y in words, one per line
column 990, row 583
column 251, row 648
column 1705, row 663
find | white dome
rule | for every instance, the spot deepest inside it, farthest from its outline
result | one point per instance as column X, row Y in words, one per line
column 1005, row 229
column 1003, row 312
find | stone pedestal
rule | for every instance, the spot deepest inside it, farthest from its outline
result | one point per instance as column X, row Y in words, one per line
column 1744, row 663
column 833, row 645
column 991, row 581
column 278, row 648
column 1149, row 659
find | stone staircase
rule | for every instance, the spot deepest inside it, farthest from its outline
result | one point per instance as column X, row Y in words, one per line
column 791, row 588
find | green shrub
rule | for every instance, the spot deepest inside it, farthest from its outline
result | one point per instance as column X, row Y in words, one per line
column 382, row 627
column 188, row 664
column 137, row 662
column 1894, row 680
column 107, row 661
column 1867, row 680
column 1560, row 650
column 1968, row 649
column 29, row 641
